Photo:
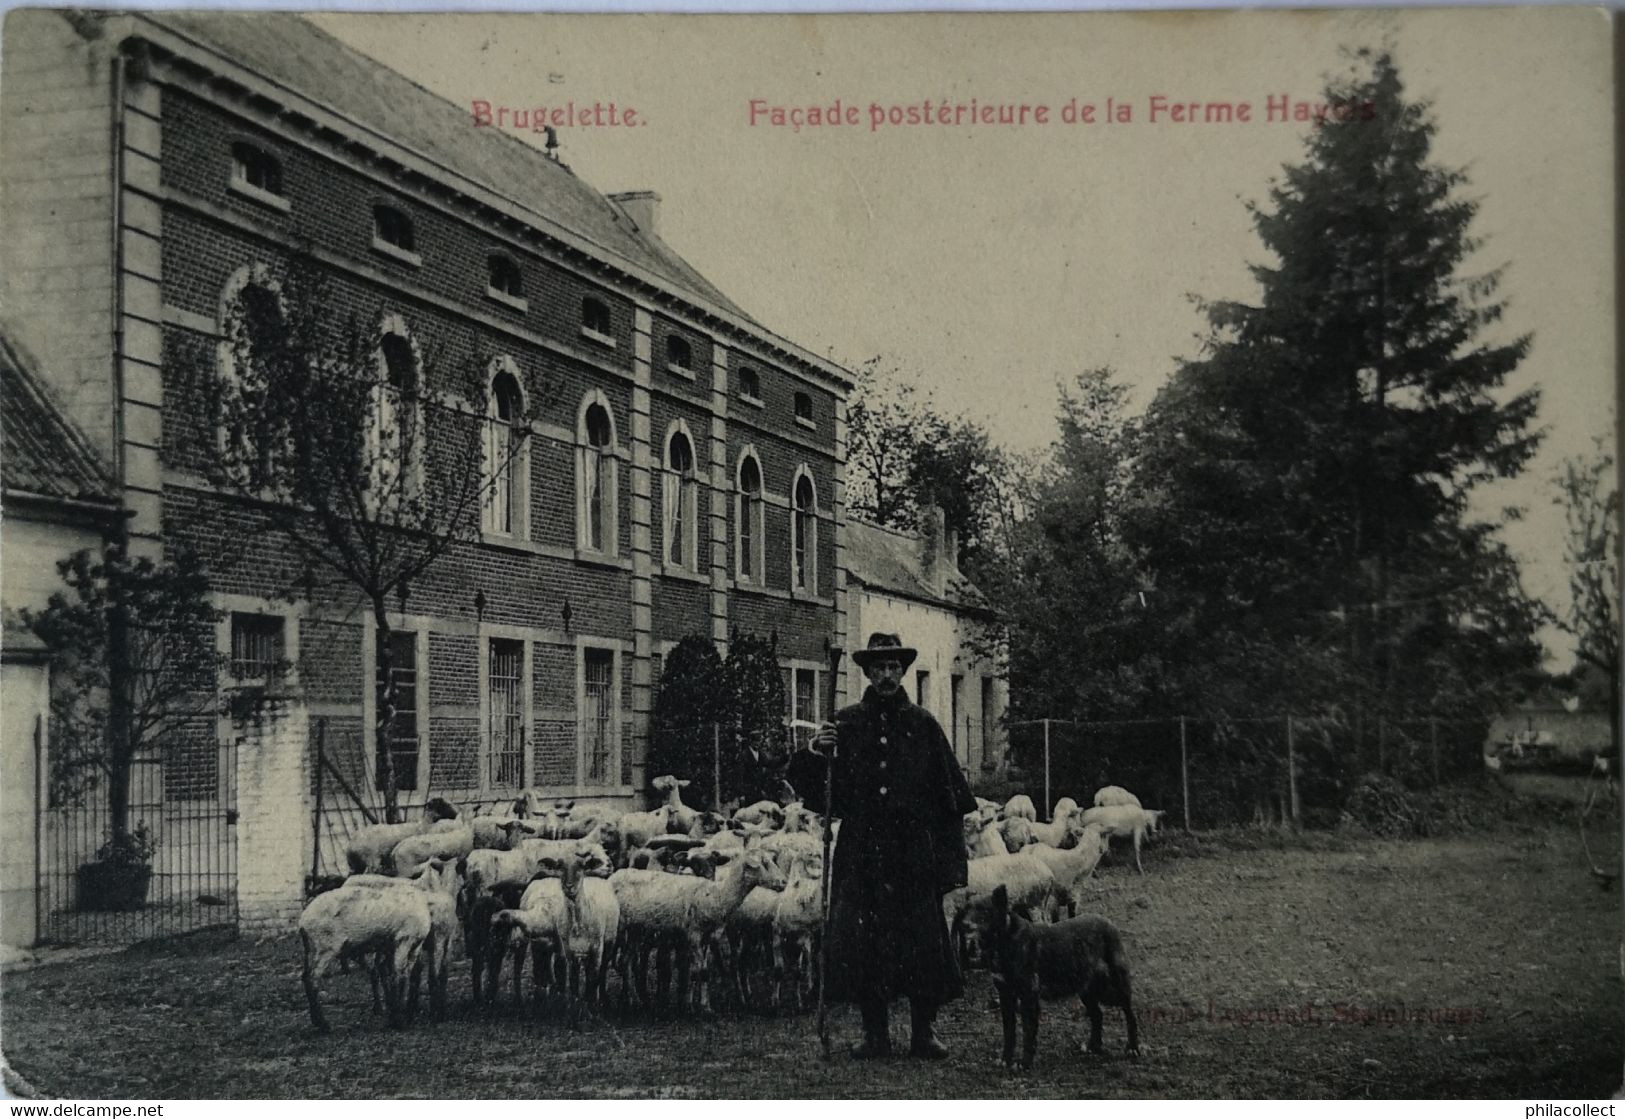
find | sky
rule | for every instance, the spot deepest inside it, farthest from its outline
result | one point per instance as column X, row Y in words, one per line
column 993, row 261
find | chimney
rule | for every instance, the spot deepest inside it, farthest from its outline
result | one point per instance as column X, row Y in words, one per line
column 642, row 206
column 933, row 547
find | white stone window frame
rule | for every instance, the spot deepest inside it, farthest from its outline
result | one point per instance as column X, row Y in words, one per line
column 228, row 732
column 678, row 369
column 680, row 493
column 807, row 421
column 792, row 718
column 418, row 626
column 394, row 324
column 588, row 462
column 804, row 584
column 508, row 299
column 257, row 273
column 517, row 464
column 592, row 333
column 487, row 633
column 612, row 767
column 758, row 526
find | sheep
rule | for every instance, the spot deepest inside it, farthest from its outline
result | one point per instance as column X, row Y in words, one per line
column 493, row 833
column 637, row 828
column 1082, row 957
column 685, row 912
column 1063, row 808
column 1017, row 832
column 1021, row 805
column 1126, row 821
column 762, row 812
column 1058, row 832
column 583, row 922
column 798, row 922
column 390, row 926
column 447, row 844
column 438, row 880
column 532, row 926
column 1030, row 883
column 680, row 816
column 1114, row 795
column 368, row 847
column 1074, row 865
column 484, row 943
column 982, row 838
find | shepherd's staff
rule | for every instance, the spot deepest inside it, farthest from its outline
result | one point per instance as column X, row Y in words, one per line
column 835, row 654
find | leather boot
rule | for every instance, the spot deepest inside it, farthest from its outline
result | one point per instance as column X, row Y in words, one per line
column 876, row 1041
column 924, row 1041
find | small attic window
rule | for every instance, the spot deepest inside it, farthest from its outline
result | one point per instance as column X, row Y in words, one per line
column 679, row 355
column 750, row 384
column 804, row 409
column 503, row 276
column 392, row 227
column 595, row 317
column 257, row 173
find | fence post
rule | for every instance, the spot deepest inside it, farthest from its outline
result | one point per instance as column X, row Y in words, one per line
column 42, row 803
column 1047, row 801
column 1185, row 772
column 316, row 815
column 1433, row 745
column 1292, row 774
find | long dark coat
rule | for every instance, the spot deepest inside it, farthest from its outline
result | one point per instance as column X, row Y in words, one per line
column 901, row 799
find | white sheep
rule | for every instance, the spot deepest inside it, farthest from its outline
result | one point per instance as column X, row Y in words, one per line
column 798, row 922
column 1113, row 796
column 1058, row 832
column 982, row 837
column 1074, row 865
column 762, row 812
column 447, row 844
column 367, row 849
column 683, row 912
column 387, row 927
column 680, row 817
column 1021, row 805
column 589, row 923
column 440, row 884
column 1124, row 821
column 1031, row 885
column 1063, row 808
column 637, row 828
column 1017, row 832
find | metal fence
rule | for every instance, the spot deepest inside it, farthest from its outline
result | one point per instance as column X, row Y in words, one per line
column 1211, row 773
column 189, row 815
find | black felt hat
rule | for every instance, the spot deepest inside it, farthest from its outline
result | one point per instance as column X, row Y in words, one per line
column 885, row 647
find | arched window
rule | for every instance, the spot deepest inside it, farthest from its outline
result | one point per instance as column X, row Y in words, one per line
column 804, row 409
column 804, row 529
column 505, row 451
column 394, row 445
column 596, row 475
column 252, row 325
column 748, row 514
column 750, row 385
column 680, row 497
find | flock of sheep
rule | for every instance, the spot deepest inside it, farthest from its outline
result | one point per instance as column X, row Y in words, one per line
column 734, row 903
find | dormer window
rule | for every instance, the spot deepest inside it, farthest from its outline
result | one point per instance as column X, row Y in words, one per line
column 679, row 356
column 504, row 282
column 595, row 321
column 392, row 227
column 804, row 409
column 750, row 385
column 257, row 174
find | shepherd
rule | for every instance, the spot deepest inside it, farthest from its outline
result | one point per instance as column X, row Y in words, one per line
column 901, row 798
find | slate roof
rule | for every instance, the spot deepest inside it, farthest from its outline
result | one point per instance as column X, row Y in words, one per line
column 894, row 562
column 296, row 53
column 41, row 452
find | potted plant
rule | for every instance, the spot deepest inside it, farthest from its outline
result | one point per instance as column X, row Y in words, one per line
column 117, row 877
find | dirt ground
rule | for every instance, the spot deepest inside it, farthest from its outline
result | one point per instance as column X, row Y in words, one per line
column 1485, row 966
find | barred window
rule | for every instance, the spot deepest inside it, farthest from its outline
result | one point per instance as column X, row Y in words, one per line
column 598, row 715
column 256, row 647
column 401, row 731
column 505, row 734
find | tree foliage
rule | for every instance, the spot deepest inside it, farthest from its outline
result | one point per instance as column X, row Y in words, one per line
column 1588, row 491
column 132, row 664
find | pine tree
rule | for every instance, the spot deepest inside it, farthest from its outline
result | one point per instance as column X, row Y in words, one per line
column 1317, row 460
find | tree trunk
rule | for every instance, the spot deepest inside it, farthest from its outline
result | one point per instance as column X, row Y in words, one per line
column 384, row 769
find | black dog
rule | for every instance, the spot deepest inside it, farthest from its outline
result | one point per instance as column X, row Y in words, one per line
column 1082, row 957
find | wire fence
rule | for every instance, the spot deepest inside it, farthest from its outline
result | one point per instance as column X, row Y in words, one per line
column 1211, row 773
